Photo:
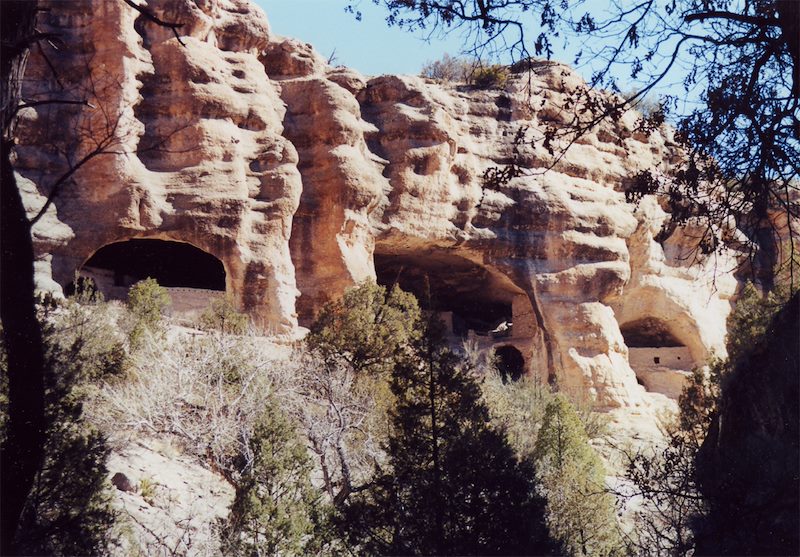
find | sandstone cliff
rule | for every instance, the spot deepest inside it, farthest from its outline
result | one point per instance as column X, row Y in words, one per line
column 303, row 179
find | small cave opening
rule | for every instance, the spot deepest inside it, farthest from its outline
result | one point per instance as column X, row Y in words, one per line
column 648, row 333
column 468, row 296
column 172, row 264
column 510, row 363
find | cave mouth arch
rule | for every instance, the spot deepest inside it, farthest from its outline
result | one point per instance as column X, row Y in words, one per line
column 172, row 264
column 660, row 361
column 468, row 296
column 510, row 363
column 648, row 332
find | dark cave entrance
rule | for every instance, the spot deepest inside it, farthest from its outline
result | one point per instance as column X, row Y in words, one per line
column 468, row 296
column 510, row 363
column 648, row 333
column 172, row 264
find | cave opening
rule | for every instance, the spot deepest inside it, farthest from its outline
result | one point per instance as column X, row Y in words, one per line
column 172, row 264
column 510, row 363
column 659, row 359
column 648, row 333
column 468, row 296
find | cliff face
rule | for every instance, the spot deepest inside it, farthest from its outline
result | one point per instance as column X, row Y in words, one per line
column 303, row 179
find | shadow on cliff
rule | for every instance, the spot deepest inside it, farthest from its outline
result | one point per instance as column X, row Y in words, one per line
column 749, row 465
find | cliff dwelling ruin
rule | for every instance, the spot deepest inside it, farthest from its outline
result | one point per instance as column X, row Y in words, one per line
column 192, row 276
column 294, row 180
column 661, row 362
column 476, row 304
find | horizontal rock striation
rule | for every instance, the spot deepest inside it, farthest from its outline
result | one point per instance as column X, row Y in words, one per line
column 304, row 179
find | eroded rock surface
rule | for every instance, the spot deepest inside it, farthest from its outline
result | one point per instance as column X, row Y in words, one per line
column 304, row 179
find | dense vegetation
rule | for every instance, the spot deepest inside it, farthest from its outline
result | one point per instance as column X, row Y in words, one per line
column 734, row 490
column 420, row 450
column 413, row 455
column 377, row 438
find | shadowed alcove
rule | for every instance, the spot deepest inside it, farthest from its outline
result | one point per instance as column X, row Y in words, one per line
column 510, row 363
column 659, row 359
column 467, row 295
column 648, row 332
column 481, row 308
column 115, row 267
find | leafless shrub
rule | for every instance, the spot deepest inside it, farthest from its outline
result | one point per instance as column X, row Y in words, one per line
column 209, row 390
column 206, row 390
column 449, row 68
column 339, row 413
column 186, row 536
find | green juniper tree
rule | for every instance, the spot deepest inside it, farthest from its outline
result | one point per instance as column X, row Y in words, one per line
column 580, row 514
column 275, row 507
column 367, row 327
column 452, row 485
column 147, row 301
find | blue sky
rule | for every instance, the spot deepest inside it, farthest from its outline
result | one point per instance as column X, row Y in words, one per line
column 369, row 45
column 373, row 48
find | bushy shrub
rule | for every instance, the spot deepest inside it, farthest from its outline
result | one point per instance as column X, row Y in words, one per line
column 222, row 316
column 275, row 507
column 519, row 407
column 89, row 329
column 147, row 302
column 84, row 290
column 494, row 76
column 343, row 415
column 462, row 70
column 751, row 317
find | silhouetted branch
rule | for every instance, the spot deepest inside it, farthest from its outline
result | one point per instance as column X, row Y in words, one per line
column 150, row 16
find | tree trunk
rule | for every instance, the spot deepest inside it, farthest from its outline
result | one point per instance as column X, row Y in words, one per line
column 21, row 454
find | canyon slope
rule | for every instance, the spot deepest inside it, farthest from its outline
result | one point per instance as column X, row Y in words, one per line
column 304, row 179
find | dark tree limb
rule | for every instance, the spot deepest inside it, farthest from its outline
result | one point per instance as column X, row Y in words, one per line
column 22, row 452
column 150, row 16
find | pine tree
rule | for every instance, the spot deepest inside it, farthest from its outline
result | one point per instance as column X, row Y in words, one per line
column 275, row 506
column 580, row 514
column 453, row 485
